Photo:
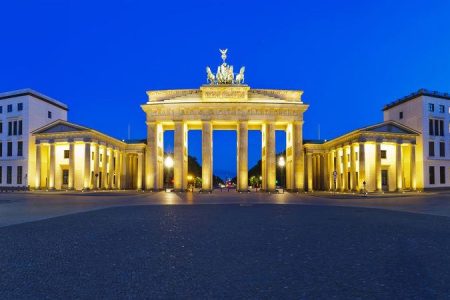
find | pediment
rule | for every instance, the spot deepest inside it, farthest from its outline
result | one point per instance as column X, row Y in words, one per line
column 60, row 126
column 390, row 127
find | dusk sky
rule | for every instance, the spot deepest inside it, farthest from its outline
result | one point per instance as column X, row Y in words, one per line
column 349, row 57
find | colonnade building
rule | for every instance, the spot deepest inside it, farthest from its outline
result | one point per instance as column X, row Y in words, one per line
column 408, row 151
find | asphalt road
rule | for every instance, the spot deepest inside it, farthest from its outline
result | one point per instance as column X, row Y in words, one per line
column 228, row 251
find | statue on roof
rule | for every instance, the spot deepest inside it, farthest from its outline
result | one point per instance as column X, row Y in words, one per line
column 225, row 74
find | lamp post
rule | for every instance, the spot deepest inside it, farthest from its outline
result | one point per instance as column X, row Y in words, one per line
column 168, row 163
column 281, row 164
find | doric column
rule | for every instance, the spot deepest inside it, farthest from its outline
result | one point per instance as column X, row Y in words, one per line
column 103, row 183
column 96, row 165
column 51, row 177
column 151, row 157
column 180, row 156
column 339, row 176
column 87, row 166
column 71, row 184
column 38, row 166
column 345, row 169
column 398, row 166
column 116, row 169
column 378, row 166
column 325, row 175
column 413, row 167
column 299, row 164
column 120, row 168
column 354, row 180
column 207, row 157
column 139, row 171
column 242, row 156
column 110, row 168
column 309, row 166
column 124, row 174
column 362, row 165
column 269, row 178
column 331, row 170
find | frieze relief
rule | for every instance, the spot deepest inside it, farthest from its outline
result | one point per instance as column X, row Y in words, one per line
column 170, row 113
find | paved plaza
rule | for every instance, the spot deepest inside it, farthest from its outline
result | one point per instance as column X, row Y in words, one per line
column 224, row 245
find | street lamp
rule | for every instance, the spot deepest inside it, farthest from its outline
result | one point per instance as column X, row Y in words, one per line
column 189, row 178
column 168, row 163
column 281, row 164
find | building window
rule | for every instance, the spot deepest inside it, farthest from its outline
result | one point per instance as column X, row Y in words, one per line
column 19, row 148
column 400, row 115
column 49, row 114
column 383, row 154
column 1, row 149
column 9, row 128
column 1, row 109
column 19, row 174
column 442, row 175
column 20, row 127
column 431, row 174
column 1, row 174
column 9, row 108
column 9, row 152
column 442, row 149
column 19, row 106
column 1, row 127
column 441, row 108
column 8, row 175
column 431, row 148
column 430, row 107
column 436, row 127
column 66, row 153
column 15, row 128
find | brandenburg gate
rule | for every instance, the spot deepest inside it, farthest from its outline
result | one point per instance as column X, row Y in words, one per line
column 224, row 103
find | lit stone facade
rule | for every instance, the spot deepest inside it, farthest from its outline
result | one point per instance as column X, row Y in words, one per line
column 225, row 107
column 382, row 156
column 69, row 156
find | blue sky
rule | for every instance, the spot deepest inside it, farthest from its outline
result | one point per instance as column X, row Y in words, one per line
column 349, row 57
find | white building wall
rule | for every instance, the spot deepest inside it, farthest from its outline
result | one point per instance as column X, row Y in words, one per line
column 33, row 116
column 416, row 114
column 37, row 117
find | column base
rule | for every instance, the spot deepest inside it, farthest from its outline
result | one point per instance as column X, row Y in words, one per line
column 399, row 190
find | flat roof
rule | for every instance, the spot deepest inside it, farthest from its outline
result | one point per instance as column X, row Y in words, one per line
column 35, row 94
column 421, row 92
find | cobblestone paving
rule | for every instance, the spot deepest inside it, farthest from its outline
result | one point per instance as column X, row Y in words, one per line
column 228, row 251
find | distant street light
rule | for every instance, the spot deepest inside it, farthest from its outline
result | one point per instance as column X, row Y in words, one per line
column 168, row 163
column 281, row 164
